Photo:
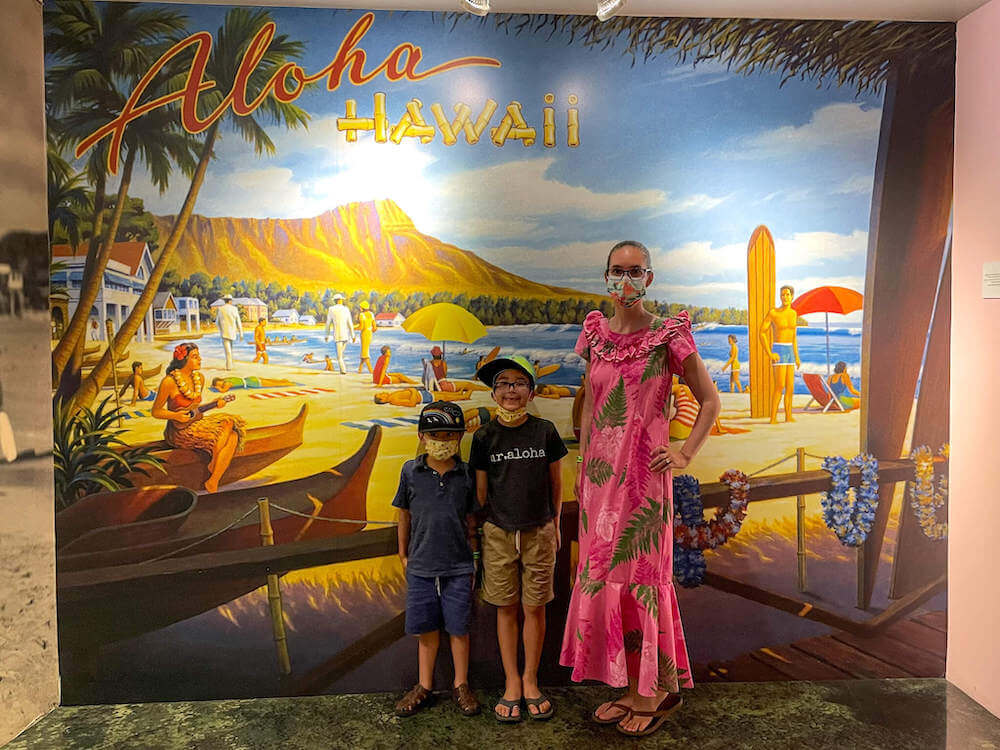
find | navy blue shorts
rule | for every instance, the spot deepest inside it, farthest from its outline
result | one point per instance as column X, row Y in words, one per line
column 435, row 602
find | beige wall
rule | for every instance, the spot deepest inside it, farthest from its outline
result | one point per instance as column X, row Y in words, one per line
column 974, row 547
column 28, row 662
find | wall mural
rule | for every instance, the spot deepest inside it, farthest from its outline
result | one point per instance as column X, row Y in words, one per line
column 222, row 178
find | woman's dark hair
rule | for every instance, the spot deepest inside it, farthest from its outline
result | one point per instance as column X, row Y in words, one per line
column 385, row 349
column 732, row 337
column 185, row 350
column 629, row 243
column 840, row 367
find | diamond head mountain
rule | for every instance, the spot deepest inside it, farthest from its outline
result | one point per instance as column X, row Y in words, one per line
column 364, row 245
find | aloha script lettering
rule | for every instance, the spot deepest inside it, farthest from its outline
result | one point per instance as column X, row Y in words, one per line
column 286, row 85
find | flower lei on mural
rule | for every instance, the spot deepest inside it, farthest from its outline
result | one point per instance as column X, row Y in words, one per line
column 693, row 534
column 851, row 522
column 191, row 390
column 924, row 499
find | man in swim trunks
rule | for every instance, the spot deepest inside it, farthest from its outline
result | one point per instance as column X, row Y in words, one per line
column 260, row 341
column 415, row 396
column 779, row 327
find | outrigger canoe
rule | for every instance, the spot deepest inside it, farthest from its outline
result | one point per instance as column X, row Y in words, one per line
column 106, row 594
column 262, row 447
column 92, row 360
column 190, row 336
column 125, row 376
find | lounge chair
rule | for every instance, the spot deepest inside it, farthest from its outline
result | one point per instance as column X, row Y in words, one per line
column 820, row 391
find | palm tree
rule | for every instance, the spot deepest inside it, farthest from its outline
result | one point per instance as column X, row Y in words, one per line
column 68, row 198
column 99, row 50
column 231, row 40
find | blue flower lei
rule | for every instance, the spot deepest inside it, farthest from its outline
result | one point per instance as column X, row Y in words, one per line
column 689, row 564
column 851, row 522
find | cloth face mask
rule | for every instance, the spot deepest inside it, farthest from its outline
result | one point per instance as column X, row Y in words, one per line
column 441, row 450
column 511, row 416
column 616, row 288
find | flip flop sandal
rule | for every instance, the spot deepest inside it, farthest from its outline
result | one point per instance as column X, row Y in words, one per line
column 511, row 705
column 537, row 702
column 614, row 719
column 672, row 703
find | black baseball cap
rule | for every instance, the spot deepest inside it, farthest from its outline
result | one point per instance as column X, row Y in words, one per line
column 441, row 416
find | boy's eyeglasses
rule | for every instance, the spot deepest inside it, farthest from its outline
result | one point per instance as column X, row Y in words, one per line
column 505, row 385
column 635, row 272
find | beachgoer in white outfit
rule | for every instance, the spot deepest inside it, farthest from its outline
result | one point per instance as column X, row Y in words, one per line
column 230, row 328
column 338, row 317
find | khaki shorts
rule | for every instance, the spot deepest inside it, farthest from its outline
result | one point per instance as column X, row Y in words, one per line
column 519, row 565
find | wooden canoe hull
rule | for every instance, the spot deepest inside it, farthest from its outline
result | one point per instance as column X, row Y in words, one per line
column 133, row 605
column 190, row 336
column 262, row 447
column 113, row 520
column 337, row 492
column 93, row 359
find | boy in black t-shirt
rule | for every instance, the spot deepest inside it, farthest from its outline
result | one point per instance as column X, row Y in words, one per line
column 436, row 502
column 516, row 458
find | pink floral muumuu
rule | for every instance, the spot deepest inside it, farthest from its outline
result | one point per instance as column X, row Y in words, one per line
column 623, row 614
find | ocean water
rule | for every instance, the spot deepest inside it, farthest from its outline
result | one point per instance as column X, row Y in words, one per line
column 548, row 344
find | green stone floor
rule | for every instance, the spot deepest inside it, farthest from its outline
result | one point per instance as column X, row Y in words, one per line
column 895, row 714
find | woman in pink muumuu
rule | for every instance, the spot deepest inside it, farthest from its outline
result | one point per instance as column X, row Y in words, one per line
column 624, row 625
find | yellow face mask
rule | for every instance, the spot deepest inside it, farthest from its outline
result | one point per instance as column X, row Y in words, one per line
column 440, row 450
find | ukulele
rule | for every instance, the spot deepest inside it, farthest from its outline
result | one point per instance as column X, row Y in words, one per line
column 197, row 412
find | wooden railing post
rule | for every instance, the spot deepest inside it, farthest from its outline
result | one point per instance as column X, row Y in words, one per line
column 800, row 521
column 274, row 592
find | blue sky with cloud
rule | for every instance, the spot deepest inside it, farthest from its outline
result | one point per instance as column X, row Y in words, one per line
column 688, row 159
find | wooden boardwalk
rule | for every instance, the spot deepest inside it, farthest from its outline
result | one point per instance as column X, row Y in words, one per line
column 909, row 648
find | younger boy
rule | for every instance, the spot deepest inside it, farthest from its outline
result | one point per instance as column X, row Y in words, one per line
column 436, row 502
column 517, row 462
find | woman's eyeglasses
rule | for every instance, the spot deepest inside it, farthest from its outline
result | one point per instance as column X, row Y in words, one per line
column 505, row 385
column 635, row 272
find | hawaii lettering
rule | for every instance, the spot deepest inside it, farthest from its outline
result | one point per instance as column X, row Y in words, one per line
column 512, row 126
column 517, row 455
column 286, row 85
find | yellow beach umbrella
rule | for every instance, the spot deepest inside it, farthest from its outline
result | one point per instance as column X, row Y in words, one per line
column 444, row 321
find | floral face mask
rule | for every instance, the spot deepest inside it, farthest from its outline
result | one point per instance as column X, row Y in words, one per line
column 441, row 450
column 627, row 291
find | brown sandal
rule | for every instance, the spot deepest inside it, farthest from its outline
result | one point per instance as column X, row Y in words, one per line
column 466, row 700
column 416, row 698
column 668, row 706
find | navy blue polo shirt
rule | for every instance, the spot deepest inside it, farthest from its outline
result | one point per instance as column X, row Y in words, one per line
column 438, row 506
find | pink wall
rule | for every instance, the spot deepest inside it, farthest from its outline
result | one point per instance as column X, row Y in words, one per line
column 974, row 546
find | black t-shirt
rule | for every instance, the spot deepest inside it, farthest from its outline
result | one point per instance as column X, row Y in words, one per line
column 438, row 506
column 516, row 461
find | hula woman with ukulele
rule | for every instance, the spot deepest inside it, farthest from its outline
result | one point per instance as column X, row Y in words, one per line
column 178, row 400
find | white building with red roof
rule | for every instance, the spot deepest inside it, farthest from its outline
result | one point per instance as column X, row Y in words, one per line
column 124, row 279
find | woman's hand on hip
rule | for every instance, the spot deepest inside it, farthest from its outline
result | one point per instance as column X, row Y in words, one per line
column 665, row 458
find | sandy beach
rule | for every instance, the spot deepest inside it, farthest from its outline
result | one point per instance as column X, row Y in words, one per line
column 332, row 429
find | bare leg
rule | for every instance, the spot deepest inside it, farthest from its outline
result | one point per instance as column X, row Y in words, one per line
column 789, row 392
column 460, row 656
column 222, row 460
column 427, row 649
column 775, row 401
column 534, row 637
column 507, row 638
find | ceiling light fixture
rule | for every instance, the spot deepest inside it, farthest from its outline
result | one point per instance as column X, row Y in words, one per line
column 606, row 8
column 476, row 7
